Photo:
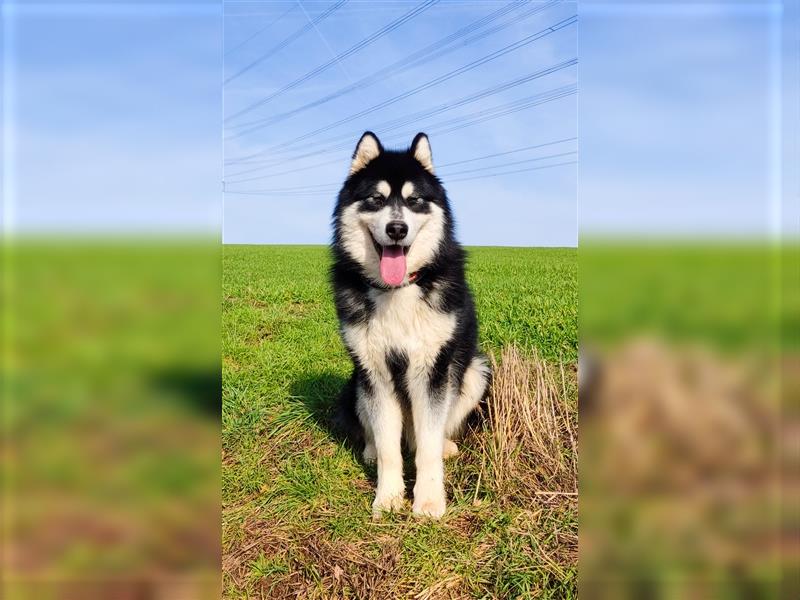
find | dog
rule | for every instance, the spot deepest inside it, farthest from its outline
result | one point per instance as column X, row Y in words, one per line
column 407, row 319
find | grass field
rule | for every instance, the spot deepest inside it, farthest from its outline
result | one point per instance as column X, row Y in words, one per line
column 110, row 428
column 733, row 296
column 296, row 499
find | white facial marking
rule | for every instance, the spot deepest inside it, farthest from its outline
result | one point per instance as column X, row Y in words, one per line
column 407, row 190
column 428, row 232
column 384, row 188
column 358, row 229
column 355, row 230
column 378, row 226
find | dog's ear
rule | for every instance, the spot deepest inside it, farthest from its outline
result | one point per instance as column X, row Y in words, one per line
column 368, row 149
column 421, row 150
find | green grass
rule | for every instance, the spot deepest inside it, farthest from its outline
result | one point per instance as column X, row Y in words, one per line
column 733, row 296
column 296, row 516
column 111, row 426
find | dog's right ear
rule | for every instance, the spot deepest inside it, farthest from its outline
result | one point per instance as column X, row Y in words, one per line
column 368, row 149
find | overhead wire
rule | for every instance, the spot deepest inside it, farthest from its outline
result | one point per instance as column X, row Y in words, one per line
column 286, row 41
column 275, row 21
column 383, row 31
column 333, row 185
column 424, row 55
column 326, row 192
column 434, row 82
column 446, row 126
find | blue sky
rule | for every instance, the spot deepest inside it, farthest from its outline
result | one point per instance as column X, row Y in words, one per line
column 112, row 117
column 533, row 208
column 683, row 120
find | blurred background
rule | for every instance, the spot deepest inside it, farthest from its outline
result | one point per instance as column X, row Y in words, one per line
column 689, row 306
column 112, row 216
column 110, row 296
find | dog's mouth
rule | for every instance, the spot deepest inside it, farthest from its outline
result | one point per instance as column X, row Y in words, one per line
column 392, row 262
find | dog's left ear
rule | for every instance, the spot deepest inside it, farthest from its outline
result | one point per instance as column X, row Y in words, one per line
column 421, row 150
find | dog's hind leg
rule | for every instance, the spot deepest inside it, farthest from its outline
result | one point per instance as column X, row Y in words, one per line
column 473, row 389
column 370, row 454
column 408, row 433
column 449, row 450
column 345, row 419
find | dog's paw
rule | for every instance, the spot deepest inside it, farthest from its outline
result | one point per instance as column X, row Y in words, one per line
column 433, row 508
column 387, row 503
column 450, row 449
column 429, row 503
column 370, row 454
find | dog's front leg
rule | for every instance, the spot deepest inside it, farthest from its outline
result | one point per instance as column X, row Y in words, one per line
column 387, row 428
column 430, row 416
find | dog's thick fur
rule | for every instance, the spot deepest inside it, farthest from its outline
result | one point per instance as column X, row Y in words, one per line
column 417, row 372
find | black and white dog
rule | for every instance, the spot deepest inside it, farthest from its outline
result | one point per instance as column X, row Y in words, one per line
column 407, row 319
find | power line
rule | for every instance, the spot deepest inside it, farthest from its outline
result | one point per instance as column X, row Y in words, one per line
column 496, row 154
column 327, row 186
column 441, row 79
column 517, row 162
column 561, row 164
column 260, row 31
column 286, row 41
column 429, row 112
column 442, row 166
column 416, row 117
column 448, row 125
column 329, row 191
column 300, row 188
column 436, row 81
column 526, row 103
column 306, row 168
column 324, row 40
column 281, row 194
column 479, row 117
column 392, row 69
column 414, row 60
column 417, row 10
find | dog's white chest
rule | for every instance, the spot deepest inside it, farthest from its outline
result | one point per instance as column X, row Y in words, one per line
column 401, row 321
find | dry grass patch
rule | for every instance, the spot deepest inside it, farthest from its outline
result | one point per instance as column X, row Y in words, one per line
column 529, row 452
column 684, row 448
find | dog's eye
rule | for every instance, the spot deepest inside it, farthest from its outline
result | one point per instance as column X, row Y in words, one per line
column 374, row 199
column 415, row 201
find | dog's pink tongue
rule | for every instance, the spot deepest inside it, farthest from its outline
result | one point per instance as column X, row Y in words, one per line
column 393, row 265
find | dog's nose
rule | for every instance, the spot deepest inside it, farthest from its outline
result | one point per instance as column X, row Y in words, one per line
column 396, row 230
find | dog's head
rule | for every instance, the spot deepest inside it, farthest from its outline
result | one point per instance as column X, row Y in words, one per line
column 392, row 214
